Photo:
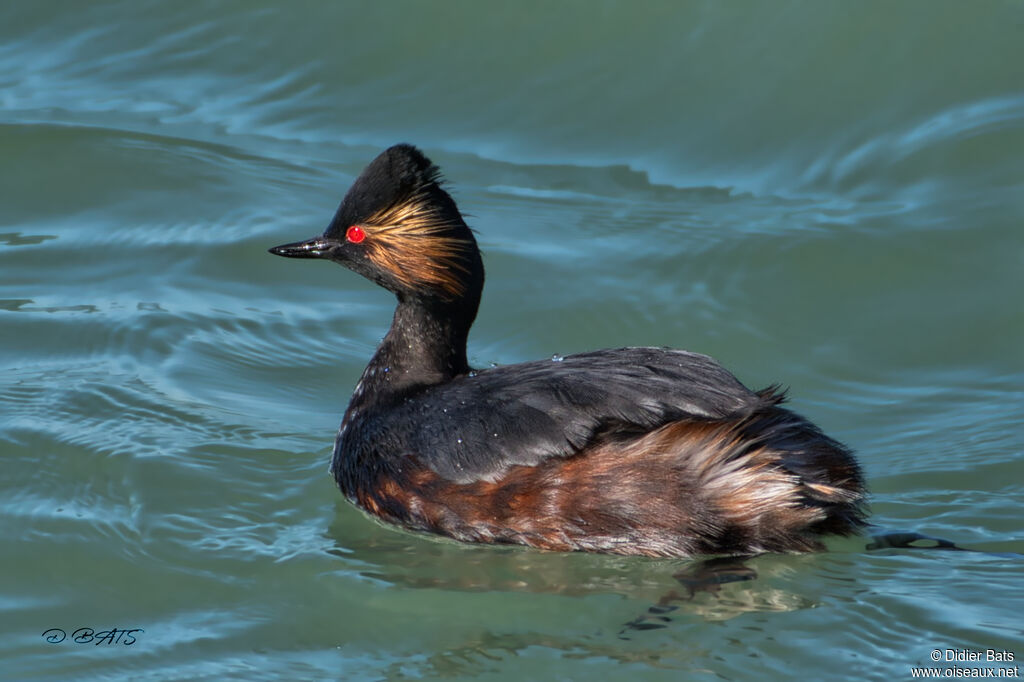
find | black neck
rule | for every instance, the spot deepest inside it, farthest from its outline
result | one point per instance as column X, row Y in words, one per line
column 425, row 346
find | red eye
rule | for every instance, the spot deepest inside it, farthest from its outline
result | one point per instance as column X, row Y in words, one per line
column 355, row 234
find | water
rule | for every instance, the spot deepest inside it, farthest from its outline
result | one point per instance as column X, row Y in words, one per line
column 820, row 194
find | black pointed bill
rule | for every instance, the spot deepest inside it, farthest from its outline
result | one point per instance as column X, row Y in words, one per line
column 317, row 247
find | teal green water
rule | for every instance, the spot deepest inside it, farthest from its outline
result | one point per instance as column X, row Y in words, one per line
column 827, row 195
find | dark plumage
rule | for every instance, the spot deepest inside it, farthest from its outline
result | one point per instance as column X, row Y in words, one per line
column 648, row 451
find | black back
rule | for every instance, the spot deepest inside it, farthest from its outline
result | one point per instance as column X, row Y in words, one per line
column 476, row 426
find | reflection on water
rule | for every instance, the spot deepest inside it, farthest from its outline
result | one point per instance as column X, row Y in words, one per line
column 701, row 588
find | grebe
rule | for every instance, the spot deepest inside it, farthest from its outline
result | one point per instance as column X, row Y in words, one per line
column 646, row 451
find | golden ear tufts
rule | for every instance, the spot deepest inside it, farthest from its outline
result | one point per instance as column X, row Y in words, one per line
column 412, row 240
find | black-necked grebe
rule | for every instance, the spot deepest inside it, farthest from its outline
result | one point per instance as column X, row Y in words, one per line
column 647, row 451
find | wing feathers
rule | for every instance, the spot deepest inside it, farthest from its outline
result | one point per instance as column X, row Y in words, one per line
column 476, row 427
